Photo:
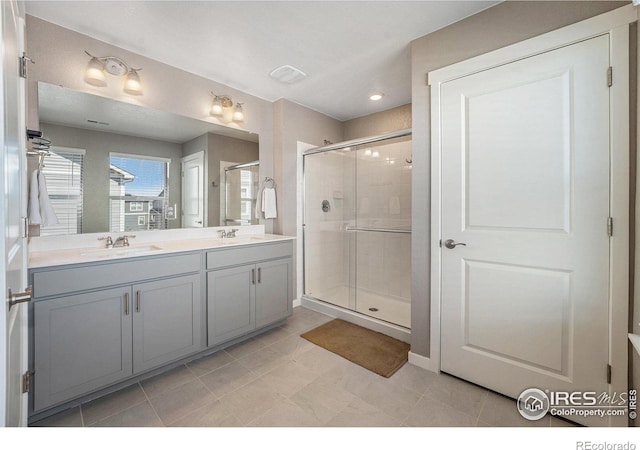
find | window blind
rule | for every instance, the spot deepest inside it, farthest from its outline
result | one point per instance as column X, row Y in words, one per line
column 63, row 170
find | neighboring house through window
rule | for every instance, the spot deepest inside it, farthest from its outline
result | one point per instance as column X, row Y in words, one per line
column 138, row 192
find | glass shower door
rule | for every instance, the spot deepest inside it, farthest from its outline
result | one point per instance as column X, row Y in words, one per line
column 383, row 230
column 329, row 205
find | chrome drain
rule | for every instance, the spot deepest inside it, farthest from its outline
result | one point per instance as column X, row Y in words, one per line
column 373, row 309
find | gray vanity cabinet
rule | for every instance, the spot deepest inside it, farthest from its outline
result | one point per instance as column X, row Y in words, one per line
column 273, row 291
column 90, row 333
column 166, row 321
column 231, row 300
column 255, row 292
column 81, row 343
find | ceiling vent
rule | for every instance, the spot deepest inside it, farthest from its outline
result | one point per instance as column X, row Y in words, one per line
column 288, row 74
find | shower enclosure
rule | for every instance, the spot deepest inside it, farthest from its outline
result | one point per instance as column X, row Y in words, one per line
column 357, row 228
column 240, row 194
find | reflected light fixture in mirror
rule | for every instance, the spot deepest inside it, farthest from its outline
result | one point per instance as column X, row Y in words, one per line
column 98, row 65
column 223, row 106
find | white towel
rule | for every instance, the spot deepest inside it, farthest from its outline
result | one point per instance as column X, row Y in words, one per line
column 40, row 210
column 46, row 210
column 34, row 204
column 269, row 207
column 394, row 205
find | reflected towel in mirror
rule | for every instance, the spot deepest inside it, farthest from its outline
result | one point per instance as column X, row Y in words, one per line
column 40, row 210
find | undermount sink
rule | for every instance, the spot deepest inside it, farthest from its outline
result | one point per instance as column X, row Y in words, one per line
column 240, row 240
column 120, row 251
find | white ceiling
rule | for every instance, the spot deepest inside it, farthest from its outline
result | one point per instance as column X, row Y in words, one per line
column 349, row 49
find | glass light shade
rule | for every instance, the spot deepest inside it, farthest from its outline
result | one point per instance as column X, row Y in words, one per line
column 375, row 154
column 238, row 115
column 132, row 83
column 216, row 108
column 94, row 74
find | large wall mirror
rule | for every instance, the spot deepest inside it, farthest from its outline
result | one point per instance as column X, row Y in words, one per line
column 117, row 167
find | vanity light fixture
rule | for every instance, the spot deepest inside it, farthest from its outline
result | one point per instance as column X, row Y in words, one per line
column 223, row 106
column 98, row 65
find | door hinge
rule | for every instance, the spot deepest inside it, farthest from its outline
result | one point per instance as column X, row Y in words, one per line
column 23, row 64
column 26, row 381
column 25, row 232
column 608, row 373
column 610, row 226
column 610, row 76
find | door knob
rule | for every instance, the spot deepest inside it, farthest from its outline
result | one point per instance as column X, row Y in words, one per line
column 451, row 244
column 19, row 297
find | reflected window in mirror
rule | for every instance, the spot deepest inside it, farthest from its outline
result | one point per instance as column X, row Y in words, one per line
column 64, row 169
column 138, row 192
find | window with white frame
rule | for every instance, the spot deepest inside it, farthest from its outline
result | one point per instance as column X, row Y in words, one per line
column 138, row 192
column 63, row 170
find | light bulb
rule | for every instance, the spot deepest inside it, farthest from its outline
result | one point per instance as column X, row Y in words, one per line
column 238, row 115
column 132, row 83
column 94, row 74
column 216, row 108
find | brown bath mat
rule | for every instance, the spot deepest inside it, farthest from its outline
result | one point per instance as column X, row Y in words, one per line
column 375, row 351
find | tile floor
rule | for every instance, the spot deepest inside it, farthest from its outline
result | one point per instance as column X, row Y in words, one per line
column 280, row 379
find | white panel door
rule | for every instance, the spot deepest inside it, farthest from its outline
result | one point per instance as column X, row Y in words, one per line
column 193, row 191
column 13, row 320
column 525, row 185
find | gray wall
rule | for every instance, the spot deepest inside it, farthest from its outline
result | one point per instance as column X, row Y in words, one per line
column 393, row 119
column 499, row 26
column 292, row 124
column 98, row 144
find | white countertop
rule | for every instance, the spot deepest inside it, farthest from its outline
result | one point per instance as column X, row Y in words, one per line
column 146, row 244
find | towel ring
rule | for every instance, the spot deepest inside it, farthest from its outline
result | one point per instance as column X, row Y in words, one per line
column 269, row 183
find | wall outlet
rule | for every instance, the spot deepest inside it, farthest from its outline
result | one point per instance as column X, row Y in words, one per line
column 170, row 212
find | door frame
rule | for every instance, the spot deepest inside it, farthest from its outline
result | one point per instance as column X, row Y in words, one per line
column 616, row 24
column 205, row 198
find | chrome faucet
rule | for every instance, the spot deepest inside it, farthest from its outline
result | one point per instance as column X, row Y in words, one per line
column 227, row 234
column 123, row 241
column 108, row 239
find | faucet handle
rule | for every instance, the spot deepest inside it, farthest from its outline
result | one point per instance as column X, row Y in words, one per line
column 222, row 233
column 126, row 237
column 108, row 239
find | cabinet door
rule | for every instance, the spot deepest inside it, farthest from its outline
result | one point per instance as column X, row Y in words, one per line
column 166, row 321
column 81, row 343
column 231, row 303
column 273, row 291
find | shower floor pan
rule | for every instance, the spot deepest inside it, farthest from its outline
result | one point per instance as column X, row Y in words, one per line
column 387, row 308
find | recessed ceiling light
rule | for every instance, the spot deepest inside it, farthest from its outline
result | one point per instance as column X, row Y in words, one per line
column 376, row 97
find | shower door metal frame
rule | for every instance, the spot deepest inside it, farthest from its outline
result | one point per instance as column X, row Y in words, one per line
column 340, row 146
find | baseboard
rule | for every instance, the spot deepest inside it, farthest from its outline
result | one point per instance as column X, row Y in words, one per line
column 423, row 362
column 296, row 302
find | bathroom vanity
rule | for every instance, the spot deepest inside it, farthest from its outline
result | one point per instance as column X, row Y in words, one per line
column 101, row 317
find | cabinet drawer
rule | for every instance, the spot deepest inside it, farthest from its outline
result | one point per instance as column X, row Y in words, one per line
column 243, row 255
column 62, row 281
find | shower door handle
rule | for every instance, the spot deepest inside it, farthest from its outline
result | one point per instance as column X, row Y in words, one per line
column 451, row 244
